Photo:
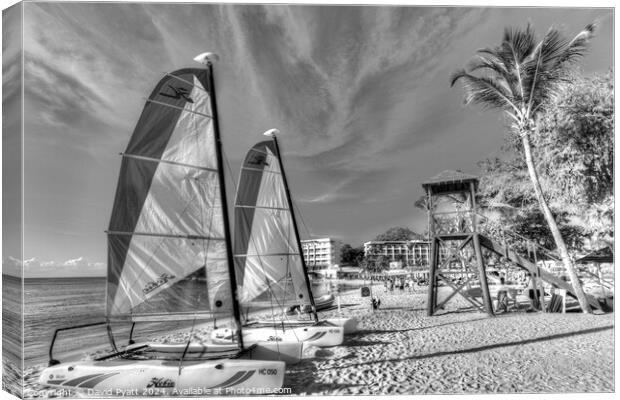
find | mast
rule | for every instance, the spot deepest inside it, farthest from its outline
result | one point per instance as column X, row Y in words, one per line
column 272, row 133
column 206, row 58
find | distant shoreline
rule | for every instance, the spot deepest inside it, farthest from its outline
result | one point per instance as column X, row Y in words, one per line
column 15, row 277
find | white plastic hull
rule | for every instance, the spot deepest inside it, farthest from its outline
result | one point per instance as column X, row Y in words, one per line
column 122, row 377
column 348, row 324
column 290, row 352
column 309, row 334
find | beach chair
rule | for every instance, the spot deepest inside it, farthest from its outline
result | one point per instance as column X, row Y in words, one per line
column 512, row 298
column 502, row 301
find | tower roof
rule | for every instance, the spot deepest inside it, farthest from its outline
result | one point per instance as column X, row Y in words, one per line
column 450, row 180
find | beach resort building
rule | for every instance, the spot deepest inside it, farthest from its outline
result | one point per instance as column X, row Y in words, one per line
column 321, row 253
column 412, row 253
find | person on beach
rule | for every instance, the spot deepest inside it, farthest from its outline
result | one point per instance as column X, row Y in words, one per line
column 533, row 293
column 502, row 296
column 376, row 303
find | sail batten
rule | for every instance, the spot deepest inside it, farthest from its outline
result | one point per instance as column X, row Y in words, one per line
column 158, row 160
column 178, row 108
column 260, row 170
column 166, row 238
column 175, row 77
column 266, row 254
column 165, row 235
column 264, row 208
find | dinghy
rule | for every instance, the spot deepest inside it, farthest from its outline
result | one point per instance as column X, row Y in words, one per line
column 269, row 261
column 170, row 258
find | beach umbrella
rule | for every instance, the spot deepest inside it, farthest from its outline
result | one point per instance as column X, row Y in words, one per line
column 603, row 255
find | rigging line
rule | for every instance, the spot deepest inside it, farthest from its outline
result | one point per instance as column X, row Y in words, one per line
column 296, row 243
column 288, row 271
column 189, row 340
column 301, row 217
column 205, row 246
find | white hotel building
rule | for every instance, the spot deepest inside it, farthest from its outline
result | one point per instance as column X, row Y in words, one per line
column 410, row 252
column 321, row 253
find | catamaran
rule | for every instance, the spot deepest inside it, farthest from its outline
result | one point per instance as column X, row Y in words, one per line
column 170, row 257
column 269, row 262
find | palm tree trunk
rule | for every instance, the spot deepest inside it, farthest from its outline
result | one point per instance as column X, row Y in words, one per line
column 553, row 226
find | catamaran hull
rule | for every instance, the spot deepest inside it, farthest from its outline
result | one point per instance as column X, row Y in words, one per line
column 125, row 377
column 348, row 324
column 289, row 352
column 310, row 335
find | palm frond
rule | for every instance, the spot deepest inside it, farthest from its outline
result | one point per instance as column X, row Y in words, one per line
column 521, row 74
column 488, row 64
column 519, row 42
column 576, row 48
column 484, row 91
column 505, row 66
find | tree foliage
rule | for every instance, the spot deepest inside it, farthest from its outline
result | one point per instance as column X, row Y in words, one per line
column 398, row 233
column 574, row 151
column 351, row 255
column 519, row 77
column 575, row 146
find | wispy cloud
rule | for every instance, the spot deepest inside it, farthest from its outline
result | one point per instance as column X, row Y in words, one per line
column 360, row 94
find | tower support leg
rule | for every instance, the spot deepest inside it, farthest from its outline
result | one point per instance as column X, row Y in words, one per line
column 432, row 279
column 486, row 295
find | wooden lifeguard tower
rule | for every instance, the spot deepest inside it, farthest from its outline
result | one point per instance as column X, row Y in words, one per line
column 457, row 259
column 456, row 254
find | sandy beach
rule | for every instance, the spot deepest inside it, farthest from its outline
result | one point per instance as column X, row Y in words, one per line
column 398, row 349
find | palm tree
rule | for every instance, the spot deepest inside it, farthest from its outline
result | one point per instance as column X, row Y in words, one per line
column 519, row 77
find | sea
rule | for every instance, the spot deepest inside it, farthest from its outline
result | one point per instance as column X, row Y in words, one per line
column 53, row 303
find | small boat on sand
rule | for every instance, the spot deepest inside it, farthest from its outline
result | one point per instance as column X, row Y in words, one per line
column 268, row 257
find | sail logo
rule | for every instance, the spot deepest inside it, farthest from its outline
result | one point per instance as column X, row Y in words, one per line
column 162, row 280
column 160, row 383
column 258, row 159
column 179, row 93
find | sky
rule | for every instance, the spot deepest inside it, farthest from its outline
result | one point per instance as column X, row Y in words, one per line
column 361, row 96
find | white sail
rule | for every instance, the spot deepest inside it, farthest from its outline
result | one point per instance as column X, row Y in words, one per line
column 167, row 249
column 268, row 261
